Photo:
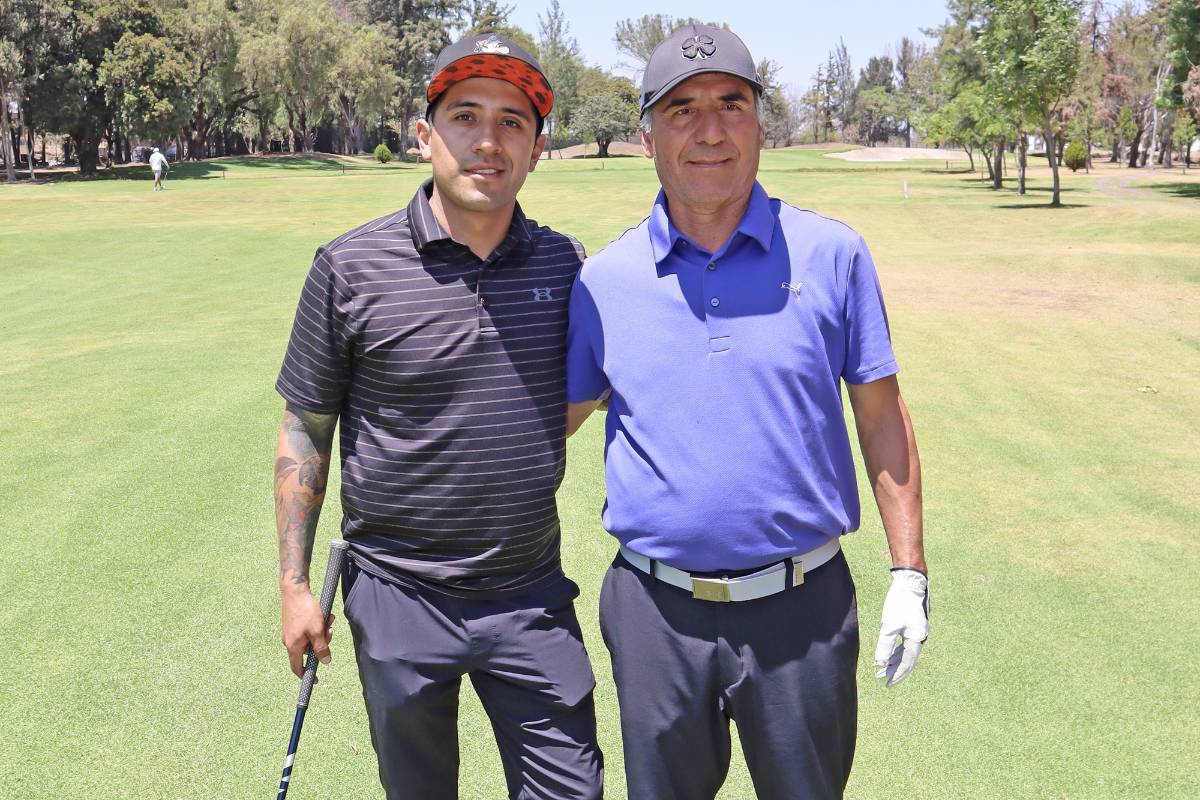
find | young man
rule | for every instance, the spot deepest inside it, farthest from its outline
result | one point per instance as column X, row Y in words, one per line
column 158, row 164
column 435, row 337
column 723, row 326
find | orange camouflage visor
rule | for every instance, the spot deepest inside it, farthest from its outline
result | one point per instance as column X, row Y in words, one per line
column 504, row 68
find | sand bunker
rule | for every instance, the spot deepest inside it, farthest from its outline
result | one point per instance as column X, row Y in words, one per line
column 899, row 154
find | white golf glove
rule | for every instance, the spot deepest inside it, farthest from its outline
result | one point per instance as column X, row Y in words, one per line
column 905, row 625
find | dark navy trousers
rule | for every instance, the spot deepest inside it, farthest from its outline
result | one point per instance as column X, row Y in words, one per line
column 782, row 667
column 526, row 660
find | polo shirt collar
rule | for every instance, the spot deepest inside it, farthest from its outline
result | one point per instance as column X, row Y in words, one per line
column 757, row 223
column 426, row 230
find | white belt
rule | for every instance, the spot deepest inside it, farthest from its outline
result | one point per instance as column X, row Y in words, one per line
column 767, row 581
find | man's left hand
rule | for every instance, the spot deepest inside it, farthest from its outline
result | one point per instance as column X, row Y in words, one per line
column 905, row 625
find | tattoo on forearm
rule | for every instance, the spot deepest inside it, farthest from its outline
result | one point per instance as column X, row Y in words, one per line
column 301, row 475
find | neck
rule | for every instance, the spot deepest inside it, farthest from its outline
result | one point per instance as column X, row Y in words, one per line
column 709, row 228
column 481, row 231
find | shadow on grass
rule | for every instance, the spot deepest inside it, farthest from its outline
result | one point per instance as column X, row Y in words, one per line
column 230, row 167
column 608, row 157
column 1190, row 191
column 201, row 170
column 1044, row 206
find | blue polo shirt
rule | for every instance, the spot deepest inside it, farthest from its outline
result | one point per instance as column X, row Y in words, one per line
column 726, row 445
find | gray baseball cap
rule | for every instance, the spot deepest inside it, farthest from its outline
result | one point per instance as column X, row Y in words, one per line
column 693, row 50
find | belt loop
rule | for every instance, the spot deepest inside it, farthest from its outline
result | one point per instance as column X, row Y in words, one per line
column 653, row 564
column 789, row 573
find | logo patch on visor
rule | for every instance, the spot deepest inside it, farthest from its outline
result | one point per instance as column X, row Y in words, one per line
column 491, row 45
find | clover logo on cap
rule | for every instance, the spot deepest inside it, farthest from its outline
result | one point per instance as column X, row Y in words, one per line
column 701, row 47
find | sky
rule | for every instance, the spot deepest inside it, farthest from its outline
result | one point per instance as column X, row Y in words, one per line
column 797, row 35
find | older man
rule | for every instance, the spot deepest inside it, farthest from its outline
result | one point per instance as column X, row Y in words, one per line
column 435, row 338
column 723, row 327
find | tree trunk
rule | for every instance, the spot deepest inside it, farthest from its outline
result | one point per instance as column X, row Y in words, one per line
column 88, row 146
column 1135, row 147
column 29, row 134
column 971, row 156
column 1116, row 151
column 998, row 168
column 264, row 133
column 10, row 165
column 1052, row 157
column 1022, row 161
column 602, row 147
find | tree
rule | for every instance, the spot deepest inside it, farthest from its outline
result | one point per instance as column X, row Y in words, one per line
column 638, row 38
column 207, row 32
column 1031, row 54
column 422, row 28
column 1183, row 42
column 562, row 65
column 1183, row 136
column 960, row 121
column 874, row 106
column 68, row 96
column 840, row 74
column 913, row 69
column 488, row 16
column 147, row 80
column 779, row 117
column 1084, row 111
column 18, row 25
column 308, row 33
column 608, row 108
column 1134, row 52
column 363, row 81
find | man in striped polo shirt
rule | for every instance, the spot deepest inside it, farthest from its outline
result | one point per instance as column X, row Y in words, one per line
column 435, row 336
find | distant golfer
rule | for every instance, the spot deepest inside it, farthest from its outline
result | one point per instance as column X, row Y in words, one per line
column 159, row 165
column 435, row 339
column 723, row 328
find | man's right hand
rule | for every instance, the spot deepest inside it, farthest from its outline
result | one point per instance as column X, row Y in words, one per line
column 303, row 627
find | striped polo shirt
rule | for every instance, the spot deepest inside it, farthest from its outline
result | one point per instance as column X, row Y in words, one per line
column 448, row 373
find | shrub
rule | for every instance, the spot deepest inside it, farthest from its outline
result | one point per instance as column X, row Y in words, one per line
column 1075, row 156
column 383, row 153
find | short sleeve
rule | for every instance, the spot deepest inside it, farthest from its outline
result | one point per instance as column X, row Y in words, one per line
column 316, row 367
column 586, row 380
column 869, row 355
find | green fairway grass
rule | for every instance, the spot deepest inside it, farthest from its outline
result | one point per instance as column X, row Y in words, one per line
column 1050, row 359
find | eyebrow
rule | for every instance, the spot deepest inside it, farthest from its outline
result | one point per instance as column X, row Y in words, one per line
column 522, row 113
column 725, row 98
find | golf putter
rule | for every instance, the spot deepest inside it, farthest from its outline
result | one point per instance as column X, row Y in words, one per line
column 333, row 571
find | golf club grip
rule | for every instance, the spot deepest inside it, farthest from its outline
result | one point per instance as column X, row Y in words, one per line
column 333, row 571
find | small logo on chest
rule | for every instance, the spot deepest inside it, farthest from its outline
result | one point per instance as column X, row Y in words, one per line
column 542, row 294
column 794, row 288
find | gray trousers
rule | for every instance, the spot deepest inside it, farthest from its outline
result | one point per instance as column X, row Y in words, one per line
column 783, row 667
column 526, row 660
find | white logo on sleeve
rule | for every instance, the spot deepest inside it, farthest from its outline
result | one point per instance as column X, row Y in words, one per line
column 542, row 294
column 794, row 288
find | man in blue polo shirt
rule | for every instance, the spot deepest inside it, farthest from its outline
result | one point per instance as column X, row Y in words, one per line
column 721, row 329
column 434, row 338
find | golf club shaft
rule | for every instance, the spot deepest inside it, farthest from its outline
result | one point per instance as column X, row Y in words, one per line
column 333, row 571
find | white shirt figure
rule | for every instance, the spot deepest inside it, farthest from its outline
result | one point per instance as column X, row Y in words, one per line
column 158, row 162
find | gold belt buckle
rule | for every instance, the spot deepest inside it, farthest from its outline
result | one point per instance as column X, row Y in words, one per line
column 712, row 589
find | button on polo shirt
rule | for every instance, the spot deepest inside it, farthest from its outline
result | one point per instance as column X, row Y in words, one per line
column 727, row 446
column 448, row 374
